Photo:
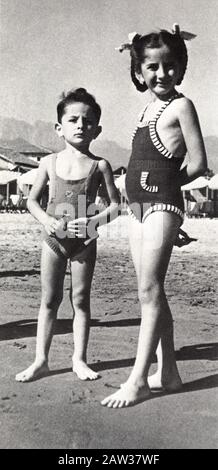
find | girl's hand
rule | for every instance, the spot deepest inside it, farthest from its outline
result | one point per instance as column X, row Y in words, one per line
column 52, row 225
column 78, row 227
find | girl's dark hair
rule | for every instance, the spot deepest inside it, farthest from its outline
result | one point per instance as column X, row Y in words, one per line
column 79, row 95
column 155, row 40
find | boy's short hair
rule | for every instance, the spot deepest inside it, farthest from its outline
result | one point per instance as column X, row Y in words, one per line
column 79, row 95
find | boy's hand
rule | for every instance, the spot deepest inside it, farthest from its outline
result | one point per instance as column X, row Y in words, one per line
column 52, row 225
column 78, row 227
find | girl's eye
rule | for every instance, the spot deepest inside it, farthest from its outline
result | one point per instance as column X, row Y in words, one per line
column 152, row 67
column 170, row 65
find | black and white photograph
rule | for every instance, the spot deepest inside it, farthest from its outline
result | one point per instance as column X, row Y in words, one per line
column 108, row 228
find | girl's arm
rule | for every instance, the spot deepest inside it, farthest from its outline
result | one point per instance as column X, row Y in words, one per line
column 33, row 202
column 192, row 135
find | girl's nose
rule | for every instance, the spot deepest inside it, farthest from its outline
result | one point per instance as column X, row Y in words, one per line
column 161, row 71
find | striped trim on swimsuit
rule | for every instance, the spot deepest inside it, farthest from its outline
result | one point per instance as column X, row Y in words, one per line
column 161, row 207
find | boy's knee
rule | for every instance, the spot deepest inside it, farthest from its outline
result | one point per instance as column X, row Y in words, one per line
column 52, row 301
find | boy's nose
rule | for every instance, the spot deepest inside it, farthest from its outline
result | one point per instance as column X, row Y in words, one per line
column 80, row 123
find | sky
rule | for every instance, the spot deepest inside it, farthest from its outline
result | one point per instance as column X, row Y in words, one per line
column 48, row 46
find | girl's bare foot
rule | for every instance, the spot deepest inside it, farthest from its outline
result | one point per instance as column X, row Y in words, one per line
column 170, row 384
column 33, row 372
column 83, row 371
column 127, row 395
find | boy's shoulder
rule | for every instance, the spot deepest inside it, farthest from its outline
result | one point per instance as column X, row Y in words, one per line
column 46, row 164
column 103, row 164
column 46, row 161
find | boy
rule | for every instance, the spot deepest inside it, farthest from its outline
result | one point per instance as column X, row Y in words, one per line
column 75, row 175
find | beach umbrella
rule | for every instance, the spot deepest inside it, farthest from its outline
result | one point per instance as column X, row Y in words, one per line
column 198, row 183
column 120, row 182
column 28, row 177
column 7, row 176
column 213, row 182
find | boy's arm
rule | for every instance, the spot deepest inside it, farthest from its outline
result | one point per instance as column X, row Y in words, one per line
column 33, row 202
column 111, row 212
column 192, row 135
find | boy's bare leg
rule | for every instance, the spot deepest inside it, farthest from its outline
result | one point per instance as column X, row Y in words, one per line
column 151, row 262
column 52, row 278
column 82, row 268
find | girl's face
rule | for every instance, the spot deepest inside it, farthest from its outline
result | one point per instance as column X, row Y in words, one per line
column 160, row 71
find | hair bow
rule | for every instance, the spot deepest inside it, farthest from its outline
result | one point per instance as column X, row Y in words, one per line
column 127, row 45
column 175, row 30
column 184, row 34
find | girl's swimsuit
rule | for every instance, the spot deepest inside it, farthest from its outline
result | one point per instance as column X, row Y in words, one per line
column 69, row 200
column 152, row 182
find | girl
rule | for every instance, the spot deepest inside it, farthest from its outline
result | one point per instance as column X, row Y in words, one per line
column 70, row 222
column 167, row 129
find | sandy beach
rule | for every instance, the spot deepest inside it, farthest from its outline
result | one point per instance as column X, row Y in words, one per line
column 61, row 412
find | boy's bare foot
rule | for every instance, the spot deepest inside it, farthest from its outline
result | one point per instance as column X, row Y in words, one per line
column 33, row 372
column 127, row 395
column 170, row 384
column 83, row 371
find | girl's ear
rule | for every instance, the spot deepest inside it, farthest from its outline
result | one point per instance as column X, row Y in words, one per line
column 140, row 78
column 58, row 128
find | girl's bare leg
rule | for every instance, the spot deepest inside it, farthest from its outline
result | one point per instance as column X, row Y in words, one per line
column 167, row 376
column 151, row 246
column 52, row 279
column 82, row 268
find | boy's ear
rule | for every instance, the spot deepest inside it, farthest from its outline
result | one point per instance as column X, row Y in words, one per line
column 58, row 128
column 97, row 132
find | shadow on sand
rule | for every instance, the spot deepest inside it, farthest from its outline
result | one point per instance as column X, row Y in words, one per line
column 204, row 383
column 27, row 328
column 23, row 273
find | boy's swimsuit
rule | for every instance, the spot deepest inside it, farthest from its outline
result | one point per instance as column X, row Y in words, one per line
column 69, row 200
column 152, row 182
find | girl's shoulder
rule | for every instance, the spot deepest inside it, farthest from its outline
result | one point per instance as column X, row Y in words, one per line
column 183, row 104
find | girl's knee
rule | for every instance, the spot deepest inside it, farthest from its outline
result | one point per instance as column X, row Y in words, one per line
column 150, row 292
column 80, row 299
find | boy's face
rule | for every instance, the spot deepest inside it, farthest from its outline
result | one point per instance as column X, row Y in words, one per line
column 79, row 125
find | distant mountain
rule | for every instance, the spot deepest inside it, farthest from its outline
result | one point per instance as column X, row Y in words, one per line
column 114, row 153
column 42, row 134
column 39, row 134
